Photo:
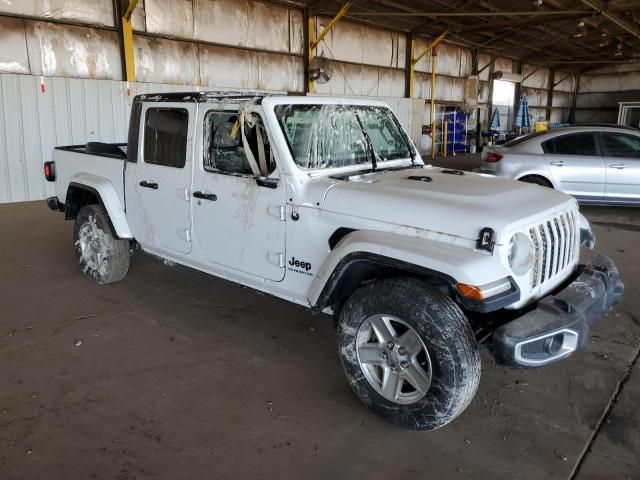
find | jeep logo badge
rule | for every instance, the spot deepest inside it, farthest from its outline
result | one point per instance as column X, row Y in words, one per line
column 306, row 266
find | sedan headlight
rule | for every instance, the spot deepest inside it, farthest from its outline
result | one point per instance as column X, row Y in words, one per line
column 520, row 254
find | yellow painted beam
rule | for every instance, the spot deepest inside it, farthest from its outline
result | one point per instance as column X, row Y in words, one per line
column 311, row 85
column 130, row 8
column 343, row 11
column 434, row 43
column 127, row 42
column 127, row 46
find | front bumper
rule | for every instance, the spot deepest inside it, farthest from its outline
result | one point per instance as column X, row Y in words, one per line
column 559, row 325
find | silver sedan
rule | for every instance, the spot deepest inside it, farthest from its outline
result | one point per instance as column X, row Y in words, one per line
column 596, row 164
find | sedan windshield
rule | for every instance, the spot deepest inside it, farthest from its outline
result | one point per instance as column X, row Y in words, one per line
column 327, row 136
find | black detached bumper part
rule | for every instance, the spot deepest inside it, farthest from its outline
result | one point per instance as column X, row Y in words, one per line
column 560, row 323
column 54, row 204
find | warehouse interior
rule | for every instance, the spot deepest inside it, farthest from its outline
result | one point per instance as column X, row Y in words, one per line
column 173, row 373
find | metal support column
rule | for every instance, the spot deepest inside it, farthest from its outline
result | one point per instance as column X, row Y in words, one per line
column 126, row 8
column 492, row 70
column 434, row 57
column 409, row 66
column 314, row 41
column 307, row 26
column 574, row 100
column 552, row 76
column 415, row 60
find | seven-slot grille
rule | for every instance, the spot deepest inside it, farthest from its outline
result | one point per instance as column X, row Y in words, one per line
column 555, row 245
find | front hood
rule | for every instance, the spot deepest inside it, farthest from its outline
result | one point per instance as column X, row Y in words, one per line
column 456, row 205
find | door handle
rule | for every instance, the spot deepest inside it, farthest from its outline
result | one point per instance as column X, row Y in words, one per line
column 147, row 184
column 618, row 166
column 557, row 164
column 206, row 196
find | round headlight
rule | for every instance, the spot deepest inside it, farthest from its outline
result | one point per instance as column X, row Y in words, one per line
column 520, row 254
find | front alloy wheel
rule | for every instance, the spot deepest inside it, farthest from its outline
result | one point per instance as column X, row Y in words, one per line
column 408, row 352
column 393, row 358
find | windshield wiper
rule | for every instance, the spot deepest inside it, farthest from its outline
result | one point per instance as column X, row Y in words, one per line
column 372, row 152
column 407, row 142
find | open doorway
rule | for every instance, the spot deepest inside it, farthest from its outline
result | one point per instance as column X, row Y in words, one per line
column 503, row 100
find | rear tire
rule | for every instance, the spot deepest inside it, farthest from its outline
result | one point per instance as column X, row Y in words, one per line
column 537, row 180
column 426, row 341
column 103, row 258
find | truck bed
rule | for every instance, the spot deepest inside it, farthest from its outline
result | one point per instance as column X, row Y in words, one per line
column 87, row 163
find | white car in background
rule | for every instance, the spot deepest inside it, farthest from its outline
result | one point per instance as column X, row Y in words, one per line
column 597, row 164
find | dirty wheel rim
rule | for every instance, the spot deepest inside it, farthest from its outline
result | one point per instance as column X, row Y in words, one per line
column 92, row 246
column 394, row 359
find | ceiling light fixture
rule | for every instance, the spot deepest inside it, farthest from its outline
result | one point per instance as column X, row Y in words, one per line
column 581, row 30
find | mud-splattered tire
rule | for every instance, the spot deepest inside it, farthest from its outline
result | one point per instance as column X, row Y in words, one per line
column 438, row 365
column 103, row 258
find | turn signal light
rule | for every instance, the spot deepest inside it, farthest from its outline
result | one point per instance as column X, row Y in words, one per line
column 493, row 157
column 472, row 292
column 50, row 171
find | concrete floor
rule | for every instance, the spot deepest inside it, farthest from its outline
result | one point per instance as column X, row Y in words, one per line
column 173, row 374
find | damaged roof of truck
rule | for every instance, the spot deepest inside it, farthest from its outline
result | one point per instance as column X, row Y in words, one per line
column 275, row 98
column 200, row 97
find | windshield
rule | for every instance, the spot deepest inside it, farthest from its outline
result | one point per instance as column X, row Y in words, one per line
column 329, row 136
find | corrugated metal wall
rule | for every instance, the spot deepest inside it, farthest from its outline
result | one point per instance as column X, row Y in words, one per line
column 214, row 44
column 74, row 111
column 601, row 90
column 71, row 111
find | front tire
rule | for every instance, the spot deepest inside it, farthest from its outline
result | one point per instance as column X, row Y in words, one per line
column 409, row 353
column 103, row 258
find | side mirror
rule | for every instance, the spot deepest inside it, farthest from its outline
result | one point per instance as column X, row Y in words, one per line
column 267, row 182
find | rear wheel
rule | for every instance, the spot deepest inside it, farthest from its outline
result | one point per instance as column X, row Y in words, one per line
column 409, row 353
column 537, row 180
column 103, row 258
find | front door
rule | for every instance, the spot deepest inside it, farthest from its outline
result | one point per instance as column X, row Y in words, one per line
column 238, row 215
column 163, row 177
column 576, row 165
column 622, row 159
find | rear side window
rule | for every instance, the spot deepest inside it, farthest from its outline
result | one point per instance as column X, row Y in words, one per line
column 165, row 136
column 621, row 145
column 573, row 144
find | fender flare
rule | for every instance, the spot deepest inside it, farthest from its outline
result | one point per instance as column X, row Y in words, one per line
column 108, row 197
column 449, row 263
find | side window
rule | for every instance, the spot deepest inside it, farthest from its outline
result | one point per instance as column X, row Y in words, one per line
column 224, row 150
column 165, row 136
column 621, row 145
column 573, row 144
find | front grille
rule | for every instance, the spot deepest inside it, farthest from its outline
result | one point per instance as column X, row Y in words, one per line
column 554, row 246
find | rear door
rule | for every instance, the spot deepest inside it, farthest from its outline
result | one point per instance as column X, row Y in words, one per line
column 622, row 159
column 162, row 178
column 576, row 165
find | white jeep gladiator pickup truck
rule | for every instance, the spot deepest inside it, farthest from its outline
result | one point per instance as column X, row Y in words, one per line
column 326, row 203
